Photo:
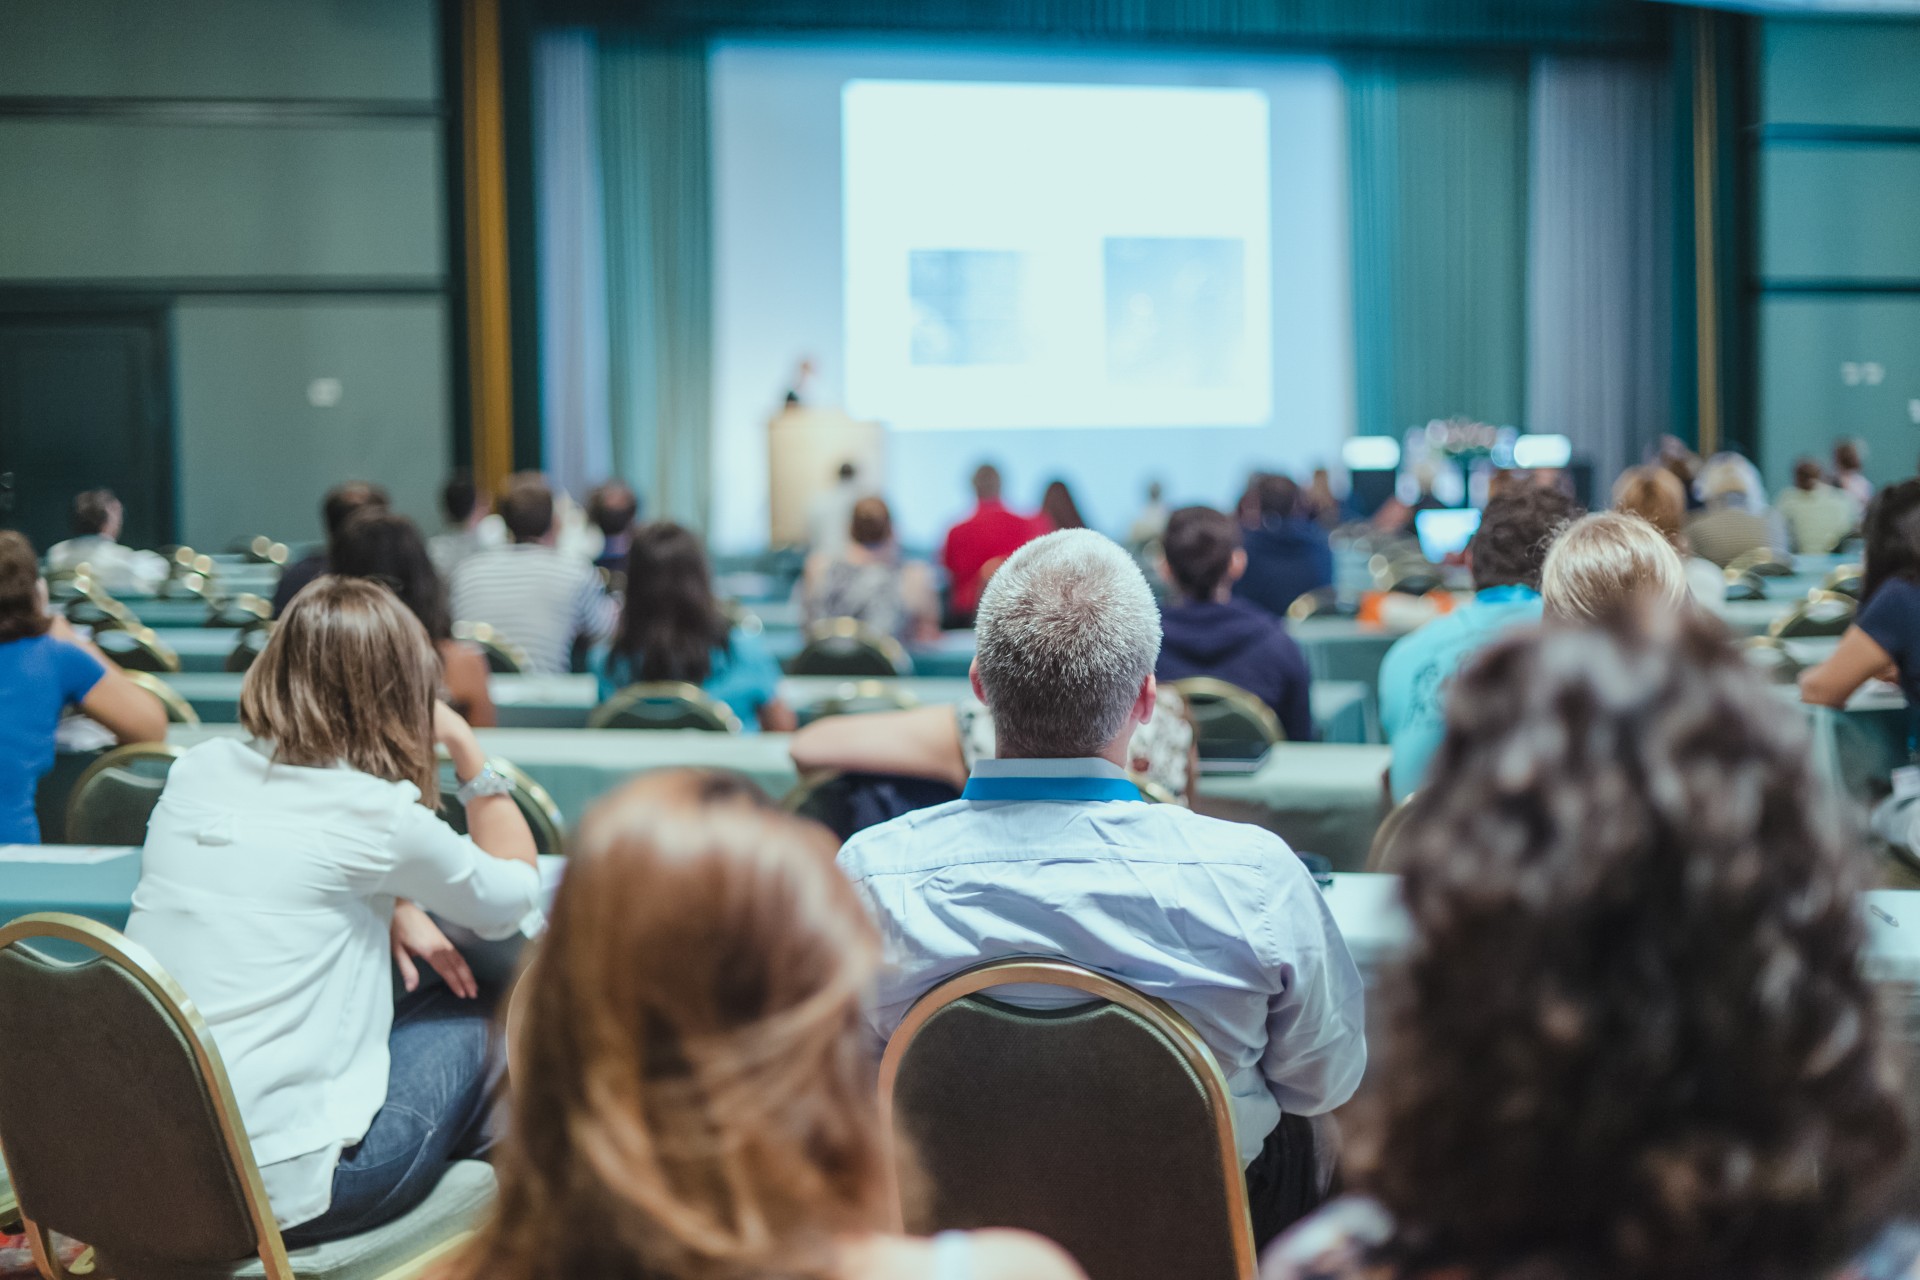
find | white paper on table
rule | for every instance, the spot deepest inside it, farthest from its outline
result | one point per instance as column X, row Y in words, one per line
column 70, row 855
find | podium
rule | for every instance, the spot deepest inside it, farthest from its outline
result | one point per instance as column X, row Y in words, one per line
column 805, row 451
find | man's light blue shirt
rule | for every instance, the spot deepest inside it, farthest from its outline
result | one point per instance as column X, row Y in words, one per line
column 1219, row 919
column 1417, row 669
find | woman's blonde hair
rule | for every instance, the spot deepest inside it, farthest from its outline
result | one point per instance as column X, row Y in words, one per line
column 348, row 677
column 693, row 1094
column 1606, row 563
column 1656, row 495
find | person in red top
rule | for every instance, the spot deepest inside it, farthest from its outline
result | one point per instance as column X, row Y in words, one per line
column 975, row 547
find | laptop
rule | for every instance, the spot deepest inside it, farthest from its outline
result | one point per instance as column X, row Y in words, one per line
column 1445, row 531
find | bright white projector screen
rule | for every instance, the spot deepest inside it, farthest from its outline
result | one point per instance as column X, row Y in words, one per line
column 1056, row 255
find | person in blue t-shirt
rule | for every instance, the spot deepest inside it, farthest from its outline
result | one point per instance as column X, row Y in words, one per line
column 45, row 667
column 672, row 628
column 1884, row 640
column 1505, row 557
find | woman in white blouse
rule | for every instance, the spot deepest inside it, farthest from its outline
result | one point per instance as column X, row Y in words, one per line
column 277, row 885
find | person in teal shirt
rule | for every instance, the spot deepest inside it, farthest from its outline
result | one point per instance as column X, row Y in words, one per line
column 673, row 628
column 1505, row 556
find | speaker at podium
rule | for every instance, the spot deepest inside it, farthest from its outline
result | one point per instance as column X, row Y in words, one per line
column 808, row 452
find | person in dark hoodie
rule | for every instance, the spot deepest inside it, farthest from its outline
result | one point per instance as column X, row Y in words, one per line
column 1287, row 552
column 1211, row 632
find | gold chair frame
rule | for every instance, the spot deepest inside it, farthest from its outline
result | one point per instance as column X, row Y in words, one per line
column 258, row 611
column 853, row 629
column 264, row 550
column 1380, row 851
column 114, row 759
column 896, row 698
column 602, row 716
column 1761, row 561
column 145, row 640
column 1212, row 689
column 1778, row 628
column 1162, row 1017
column 1310, row 604
column 192, row 1027
column 1786, row 662
column 543, row 813
column 179, row 710
column 493, row 644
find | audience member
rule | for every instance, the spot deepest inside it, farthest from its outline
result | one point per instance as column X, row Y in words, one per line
column 465, row 515
column 1287, row 553
column 612, row 508
column 1819, row 516
column 45, row 668
column 673, row 628
column 1607, row 564
column 533, row 595
column 1673, row 454
column 341, row 502
column 1058, row 509
column 1207, row 632
column 1736, row 518
column 1849, row 461
column 1151, row 523
column 1319, row 503
column 1505, row 557
column 268, row 889
column 831, row 510
column 119, row 570
column 869, row 582
column 693, row 1097
column 1656, row 495
column 1634, row 1036
column 1884, row 640
column 1050, row 853
column 387, row 548
column 975, row 547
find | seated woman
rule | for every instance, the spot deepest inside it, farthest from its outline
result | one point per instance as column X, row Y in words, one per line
column 1656, row 495
column 693, row 1094
column 268, row 887
column 1607, row 564
column 388, row 548
column 1736, row 518
column 45, row 668
column 867, row 581
column 1884, row 640
column 672, row 628
column 1633, row 1037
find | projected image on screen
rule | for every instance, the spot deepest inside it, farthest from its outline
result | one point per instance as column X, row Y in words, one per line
column 966, row 307
column 1056, row 255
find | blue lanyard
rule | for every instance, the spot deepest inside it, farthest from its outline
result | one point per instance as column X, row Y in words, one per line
column 1080, row 788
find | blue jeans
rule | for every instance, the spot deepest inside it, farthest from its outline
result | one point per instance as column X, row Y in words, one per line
column 445, row 1071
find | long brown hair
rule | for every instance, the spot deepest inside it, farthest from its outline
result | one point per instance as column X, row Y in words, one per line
column 694, row 1092
column 1633, row 1039
column 349, row 676
column 21, row 614
column 672, row 621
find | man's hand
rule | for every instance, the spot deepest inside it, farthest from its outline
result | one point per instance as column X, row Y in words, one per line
column 415, row 935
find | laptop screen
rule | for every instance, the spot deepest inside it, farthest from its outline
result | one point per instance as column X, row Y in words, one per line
column 1445, row 532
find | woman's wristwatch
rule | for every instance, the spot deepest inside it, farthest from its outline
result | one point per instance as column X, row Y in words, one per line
column 484, row 783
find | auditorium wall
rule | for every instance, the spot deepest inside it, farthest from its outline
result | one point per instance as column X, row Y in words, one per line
column 271, row 175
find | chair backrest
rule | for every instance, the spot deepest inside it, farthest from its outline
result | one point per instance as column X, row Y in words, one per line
column 119, row 1124
column 664, row 704
column 243, row 610
column 543, row 816
column 264, row 550
column 1104, row 1126
column 857, row 697
column 1848, row 580
column 1823, row 613
column 91, row 606
column 1312, row 604
column 504, row 658
column 1746, row 586
column 248, row 647
column 1227, row 720
column 1760, row 560
column 845, row 803
column 137, row 648
column 179, row 710
column 114, row 798
column 847, row 647
column 1383, row 855
column 1769, row 654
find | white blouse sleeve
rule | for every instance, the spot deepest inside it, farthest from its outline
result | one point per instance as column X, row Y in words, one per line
column 451, row 876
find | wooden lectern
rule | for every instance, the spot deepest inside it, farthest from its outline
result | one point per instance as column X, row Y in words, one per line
column 805, row 450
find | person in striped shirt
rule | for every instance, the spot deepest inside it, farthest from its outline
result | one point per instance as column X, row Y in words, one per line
column 533, row 595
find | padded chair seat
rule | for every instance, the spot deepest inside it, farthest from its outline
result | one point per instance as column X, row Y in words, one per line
column 456, row 1206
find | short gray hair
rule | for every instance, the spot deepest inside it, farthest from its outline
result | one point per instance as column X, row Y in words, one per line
column 1067, row 631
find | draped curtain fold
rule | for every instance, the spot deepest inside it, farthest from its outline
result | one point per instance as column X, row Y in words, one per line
column 1599, row 304
column 1439, row 184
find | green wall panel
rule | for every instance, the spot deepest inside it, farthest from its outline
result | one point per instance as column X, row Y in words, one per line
column 219, row 48
column 108, row 199
column 255, row 454
column 1806, row 401
column 1840, row 72
column 1840, row 212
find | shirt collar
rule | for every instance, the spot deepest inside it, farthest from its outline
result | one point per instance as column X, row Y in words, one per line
column 1074, row 781
column 1077, row 767
column 1507, row 594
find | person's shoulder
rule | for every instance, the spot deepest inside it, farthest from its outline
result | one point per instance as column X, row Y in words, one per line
column 882, row 846
column 1341, row 1241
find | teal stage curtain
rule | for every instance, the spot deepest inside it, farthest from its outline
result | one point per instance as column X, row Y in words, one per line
column 657, row 181
column 1439, row 187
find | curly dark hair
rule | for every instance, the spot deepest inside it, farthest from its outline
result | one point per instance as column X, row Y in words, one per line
column 1518, row 526
column 1633, row 1039
column 1892, row 533
column 21, row 616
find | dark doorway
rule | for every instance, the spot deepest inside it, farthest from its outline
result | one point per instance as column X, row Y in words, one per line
column 84, row 404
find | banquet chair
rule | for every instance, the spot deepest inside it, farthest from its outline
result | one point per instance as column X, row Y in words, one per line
column 856, row 697
column 9, row 1203
column 1822, row 613
column 179, row 710
column 114, row 798
column 1769, row 655
column 848, row 647
column 1848, row 580
column 664, row 704
column 845, row 803
column 264, row 550
column 1104, row 1126
column 1383, row 855
column 247, row 648
column 1760, row 560
column 90, row 606
column 122, row 1131
column 137, row 648
column 504, row 658
column 1313, row 604
column 243, row 610
column 543, row 816
column 1227, row 720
